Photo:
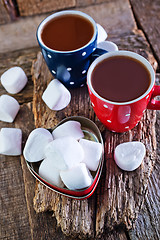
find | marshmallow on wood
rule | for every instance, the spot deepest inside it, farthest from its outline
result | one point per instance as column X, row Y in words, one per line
column 77, row 177
column 108, row 46
column 10, row 141
column 69, row 149
column 69, row 128
column 56, row 96
column 49, row 172
column 129, row 155
column 102, row 35
column 9, row 108
column 92, row 153
column 14, row 80
column 35, row 145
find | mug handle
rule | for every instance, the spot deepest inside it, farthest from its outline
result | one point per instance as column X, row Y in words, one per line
column 103, row 47
column 154, row 104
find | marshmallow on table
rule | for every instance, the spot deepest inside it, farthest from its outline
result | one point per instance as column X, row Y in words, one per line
column 129, row 155
column 14, row 80
column 77, row 177
column 92, row 153
column 35, row 145
column 69, row 128
column 49, row 172
column 102, row 35
column 10, row 141
column 108, row 46
column 9, row 108
column 69, row 149
column 56, row 96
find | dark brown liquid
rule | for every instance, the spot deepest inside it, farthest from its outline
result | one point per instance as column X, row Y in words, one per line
column 120, row 79
column 67, row 33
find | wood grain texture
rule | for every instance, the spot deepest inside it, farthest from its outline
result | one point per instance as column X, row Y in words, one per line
column 31, row 7
column 147, row 14
column 148, row 223
column 119, row 196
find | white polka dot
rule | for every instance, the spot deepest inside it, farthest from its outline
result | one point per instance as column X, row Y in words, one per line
column 82, row 85
column 49, row 56
column 94, row 49
column 54, row 72
column 128, row 114
column 69, row 69
column 109, row 121
column 147, row 97
column 71, row 83
column 84, row 71
column 83, row 54
column 105, row 106
column 93, row 104
column 127, row 127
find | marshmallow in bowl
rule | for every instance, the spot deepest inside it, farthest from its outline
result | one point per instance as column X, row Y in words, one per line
column 9, row 108
column 129, row 155
column 56, row 96
column 35, row 145
column 102, row 35
column 10, row 141
column 70, row 128
column 49, row 172
column 92, row 153
column 69, row 148
column 77, row 177
column 14, row 80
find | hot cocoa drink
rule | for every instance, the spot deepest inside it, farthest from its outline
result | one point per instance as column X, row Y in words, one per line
column 120, row 78
column 67, row 32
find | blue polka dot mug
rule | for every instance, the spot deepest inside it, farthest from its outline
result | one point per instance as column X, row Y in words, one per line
column 71, row 66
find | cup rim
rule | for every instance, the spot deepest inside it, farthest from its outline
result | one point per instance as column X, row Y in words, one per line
column 131, row 54
column 60, row 13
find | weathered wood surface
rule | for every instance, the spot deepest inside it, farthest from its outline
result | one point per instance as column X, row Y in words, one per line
column 147, row 14
column 148, row 223
column 119, row 196
column 32, row 7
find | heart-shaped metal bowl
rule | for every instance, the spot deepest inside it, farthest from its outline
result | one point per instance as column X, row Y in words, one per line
column 91, row 132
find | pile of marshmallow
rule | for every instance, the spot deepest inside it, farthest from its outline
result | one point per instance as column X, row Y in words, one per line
column 56, row 96
column 67, row 157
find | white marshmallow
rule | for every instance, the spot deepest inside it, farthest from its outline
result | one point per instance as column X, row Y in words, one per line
column 56, row 158
column 92, row 153
column 50, row 173
column 77, row 177
column 14, row 80
column 9, row 108
column 102, row 35
column 69, row 149
column 129, row 155
column 35, row 145
column 108, row 46
column 56, row 96
column 69, row 128
column 10, row 141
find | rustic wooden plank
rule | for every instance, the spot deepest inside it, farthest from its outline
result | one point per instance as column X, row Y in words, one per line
column 32, row 7
column 119, row 195
column 4, row 16
column 147, row 224
column 22, row 58
column 147, row 13
column 13, row 210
